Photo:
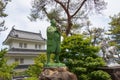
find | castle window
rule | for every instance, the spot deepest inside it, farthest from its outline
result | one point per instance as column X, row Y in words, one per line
column 16, row 59
column 16, row 35
column 20, row 45
column 10, row 45
column 35, row 46
column 25, row 45
column 21, row 60
column 39, row 46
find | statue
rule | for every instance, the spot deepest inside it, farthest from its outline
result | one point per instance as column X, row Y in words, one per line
column 104, row 45
column 55, row 70
column 53, row 41
column 110, row 53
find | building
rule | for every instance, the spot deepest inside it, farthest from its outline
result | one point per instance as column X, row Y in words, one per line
column 24, row 46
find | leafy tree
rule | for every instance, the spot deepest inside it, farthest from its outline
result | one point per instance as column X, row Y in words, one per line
column 81, row 57
column 3, row 4
column 115, row 28
column 6, row 70
column 67, row 13
column 2, row 8
column 31, row 78
column 35, row 70
column 95, row 33
column 100, row 75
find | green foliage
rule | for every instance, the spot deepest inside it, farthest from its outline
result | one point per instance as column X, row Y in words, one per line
column 35, row 70
column 31, row 78
column 80, row 56
column 68, row 13
column 96, row 34
column 100, row 75
column 3, row 4
column 84, row 77
column 6, row 70
column 20, row 73
column 115, row 28
column 78, row 46
column 115, row 25
column 2, row 8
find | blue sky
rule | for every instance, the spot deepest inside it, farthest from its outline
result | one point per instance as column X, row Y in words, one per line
column 18, row 10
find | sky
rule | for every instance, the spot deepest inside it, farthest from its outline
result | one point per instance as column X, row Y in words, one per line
column 19, row 10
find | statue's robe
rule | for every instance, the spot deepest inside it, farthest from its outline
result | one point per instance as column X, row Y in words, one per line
column 53, row 40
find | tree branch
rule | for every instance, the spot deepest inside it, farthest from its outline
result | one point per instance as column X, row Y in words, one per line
column 79, row 8
column 68, row 4
column 44, row 9
column 63, row 6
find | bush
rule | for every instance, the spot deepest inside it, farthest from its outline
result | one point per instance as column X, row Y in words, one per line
column 31, row 78
column 6, row 70
column 100, row 75
column 80, row 56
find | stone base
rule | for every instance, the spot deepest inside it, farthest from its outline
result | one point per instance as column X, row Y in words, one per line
column 113, row 71
column 57, row 73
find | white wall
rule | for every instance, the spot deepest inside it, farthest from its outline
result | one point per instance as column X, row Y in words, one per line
column 30, row 45
column 15, row 44
column 27, row 60
column 10, row 60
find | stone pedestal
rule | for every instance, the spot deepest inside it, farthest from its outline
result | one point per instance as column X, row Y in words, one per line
column 57, row 73
column 113, row 71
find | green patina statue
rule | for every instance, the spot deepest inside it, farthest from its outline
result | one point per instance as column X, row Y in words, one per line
column 53, row 41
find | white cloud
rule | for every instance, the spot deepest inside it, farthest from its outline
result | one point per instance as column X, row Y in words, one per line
column 103, row 20
column 112, row 7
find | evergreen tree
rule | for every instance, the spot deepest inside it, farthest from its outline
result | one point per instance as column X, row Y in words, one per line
column 115, row 28
column 67, row 13
column 35, row 70
column 81, row 58
column 95, row 33
column 6, row 70
column 3, row 4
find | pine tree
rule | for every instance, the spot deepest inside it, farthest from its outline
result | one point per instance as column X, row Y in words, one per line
column 3, row 4
column 115, row 28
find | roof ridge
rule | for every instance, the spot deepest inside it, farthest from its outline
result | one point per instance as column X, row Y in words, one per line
column 16, row 32
column 31, row 32
column 26, row 31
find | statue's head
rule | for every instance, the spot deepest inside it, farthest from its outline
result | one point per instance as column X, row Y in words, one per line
column 53, row 22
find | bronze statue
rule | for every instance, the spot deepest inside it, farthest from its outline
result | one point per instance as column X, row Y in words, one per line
column 53, row 41
column 57, row 70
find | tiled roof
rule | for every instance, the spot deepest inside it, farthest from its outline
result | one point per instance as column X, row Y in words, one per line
column 20, row 34
column 17, row 51
column 25, row 34
column 26, row 50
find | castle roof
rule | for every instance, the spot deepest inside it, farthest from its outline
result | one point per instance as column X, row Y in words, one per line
column 23, row 35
